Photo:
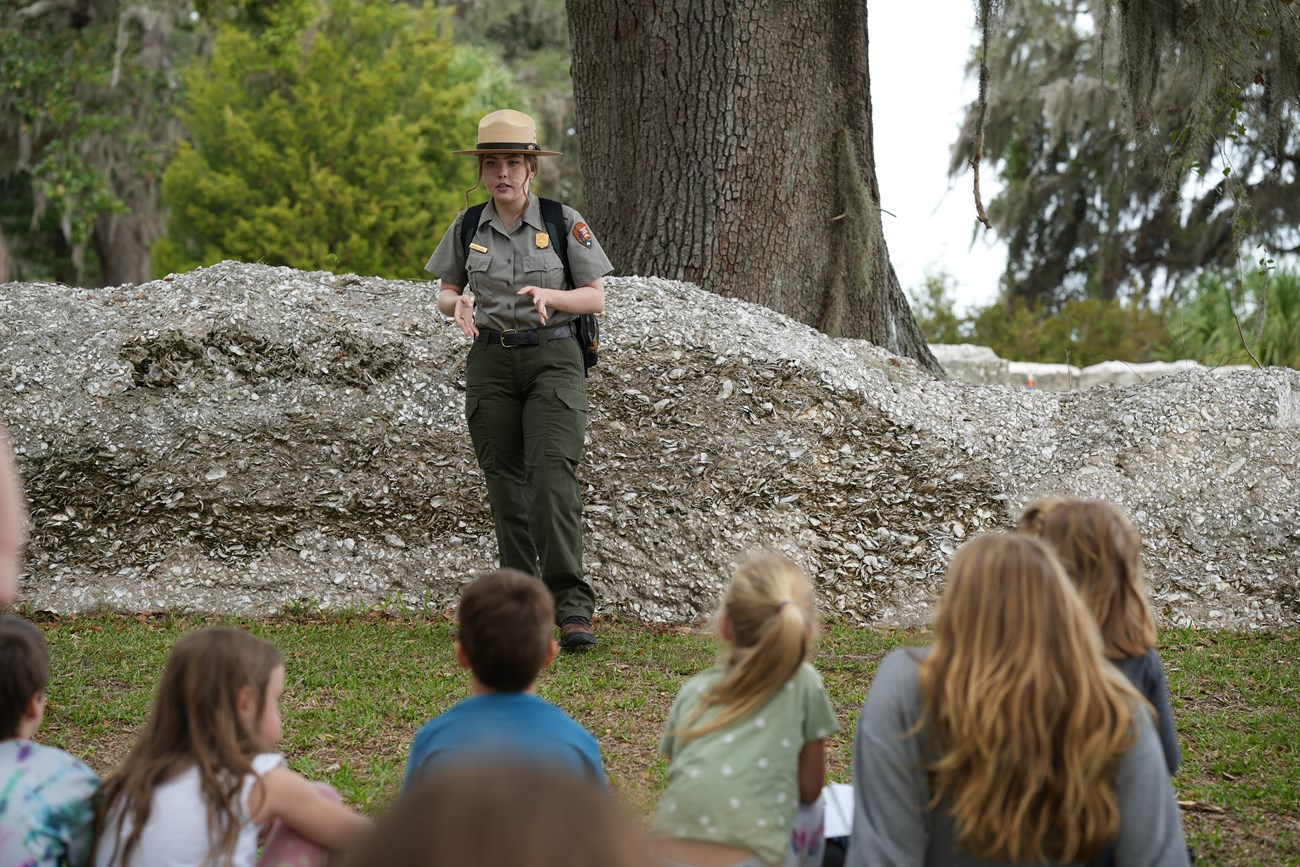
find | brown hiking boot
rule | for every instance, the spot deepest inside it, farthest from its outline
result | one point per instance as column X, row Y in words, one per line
column 576, row 633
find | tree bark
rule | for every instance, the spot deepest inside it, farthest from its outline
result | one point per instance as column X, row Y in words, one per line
column 123, row 243
column 730, row 145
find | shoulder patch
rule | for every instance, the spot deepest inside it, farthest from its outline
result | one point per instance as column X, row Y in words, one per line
column 583, row 234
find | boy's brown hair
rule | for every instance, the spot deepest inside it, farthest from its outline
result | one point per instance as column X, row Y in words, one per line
column 506, row 619
column 24, row 670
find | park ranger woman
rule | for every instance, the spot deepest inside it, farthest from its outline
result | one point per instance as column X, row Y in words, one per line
column 526, row 393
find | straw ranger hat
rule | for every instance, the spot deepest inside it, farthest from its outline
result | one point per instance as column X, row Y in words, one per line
column 508, row 132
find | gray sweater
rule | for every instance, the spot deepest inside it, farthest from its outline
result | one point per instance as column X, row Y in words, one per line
column 1147, row 674
column 891, row 826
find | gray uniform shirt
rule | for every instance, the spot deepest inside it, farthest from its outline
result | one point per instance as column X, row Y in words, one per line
column 890, row 788
column 514, row 259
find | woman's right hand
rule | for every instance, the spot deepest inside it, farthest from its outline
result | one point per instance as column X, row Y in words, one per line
column 463, row 313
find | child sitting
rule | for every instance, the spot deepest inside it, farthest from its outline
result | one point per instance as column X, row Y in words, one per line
column 1102, row 554
column 747, row 738
column 1009, row 740
column 201, row 781
column 45, row 810
column 505, row 641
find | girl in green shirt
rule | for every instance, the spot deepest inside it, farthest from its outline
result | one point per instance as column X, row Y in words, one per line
column 746, row 739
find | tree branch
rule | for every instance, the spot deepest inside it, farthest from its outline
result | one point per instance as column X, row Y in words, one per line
column 977, row 153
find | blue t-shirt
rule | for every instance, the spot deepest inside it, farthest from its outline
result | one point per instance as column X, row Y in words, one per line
column 511, row 722
column 45, row 812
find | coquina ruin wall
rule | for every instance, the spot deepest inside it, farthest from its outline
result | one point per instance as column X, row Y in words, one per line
column 244, row 437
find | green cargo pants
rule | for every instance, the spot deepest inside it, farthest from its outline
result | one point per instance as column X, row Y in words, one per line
column 526, row 407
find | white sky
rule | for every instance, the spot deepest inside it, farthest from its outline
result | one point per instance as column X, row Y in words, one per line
column 919, row 91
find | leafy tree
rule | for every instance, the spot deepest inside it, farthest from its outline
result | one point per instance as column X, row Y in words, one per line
column 532, row 39
column 935, row 310
column 1137, row 146
column 85, row 89
column 87, row 96
column 1081, row 331
column 330, row 149
column 1227, row 321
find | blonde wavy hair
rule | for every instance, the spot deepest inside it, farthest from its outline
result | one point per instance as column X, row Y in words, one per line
column 1102, row 554
column 1027, row 719
column 769, row 618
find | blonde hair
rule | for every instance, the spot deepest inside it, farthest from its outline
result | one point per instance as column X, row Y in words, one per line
column 530, row 160
column 195, row 721
column 1102, row 554
column 770, row 616
column 1026, row 717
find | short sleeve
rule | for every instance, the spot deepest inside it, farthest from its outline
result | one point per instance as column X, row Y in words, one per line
column 668, row 743
column 448, row 260
column 818, row 714
column 587, row 260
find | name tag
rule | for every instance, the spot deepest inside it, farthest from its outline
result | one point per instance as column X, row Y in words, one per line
column 477, row 248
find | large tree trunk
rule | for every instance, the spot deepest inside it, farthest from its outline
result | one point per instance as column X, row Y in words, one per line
column 123, row 243
column 730, row 144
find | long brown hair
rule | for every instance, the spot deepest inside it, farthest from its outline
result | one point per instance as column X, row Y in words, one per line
column 771, row 615
column 1027, row 719
column 195, row 721
column 1102, row 554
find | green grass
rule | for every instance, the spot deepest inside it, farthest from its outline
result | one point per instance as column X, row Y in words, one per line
column 359, row 685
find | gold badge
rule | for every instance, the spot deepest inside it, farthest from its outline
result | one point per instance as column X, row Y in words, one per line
column 478, row 248
column 543, row 240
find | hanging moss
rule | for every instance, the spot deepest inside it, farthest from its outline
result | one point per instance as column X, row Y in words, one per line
column 1233, row 108
column 858, row 229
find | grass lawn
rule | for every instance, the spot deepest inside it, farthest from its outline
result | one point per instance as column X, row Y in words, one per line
column 359, row 686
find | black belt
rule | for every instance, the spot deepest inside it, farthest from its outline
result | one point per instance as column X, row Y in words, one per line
column 526, row 337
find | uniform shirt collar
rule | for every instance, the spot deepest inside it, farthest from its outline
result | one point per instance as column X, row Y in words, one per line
column 532, row 215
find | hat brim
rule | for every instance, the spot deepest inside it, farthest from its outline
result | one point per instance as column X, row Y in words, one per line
column 479, row 152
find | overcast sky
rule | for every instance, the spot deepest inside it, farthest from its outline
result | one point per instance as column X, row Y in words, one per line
column 919, row 90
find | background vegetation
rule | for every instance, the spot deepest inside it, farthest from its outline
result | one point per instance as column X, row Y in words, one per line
column 1218, row 320
column 142, row 138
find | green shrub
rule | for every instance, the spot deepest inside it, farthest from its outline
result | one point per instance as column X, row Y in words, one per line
column 329, row 149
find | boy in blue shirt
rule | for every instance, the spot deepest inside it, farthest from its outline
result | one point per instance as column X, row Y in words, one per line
column 45, row 812
column 505, row 640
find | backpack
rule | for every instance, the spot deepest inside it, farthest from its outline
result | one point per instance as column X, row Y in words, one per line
column 588, row 331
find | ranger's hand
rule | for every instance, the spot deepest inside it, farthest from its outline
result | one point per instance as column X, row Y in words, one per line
column 464, row 315
column 539, row 294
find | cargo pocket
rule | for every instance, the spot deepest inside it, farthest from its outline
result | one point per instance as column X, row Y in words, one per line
column 568, row 424
column 479, row 436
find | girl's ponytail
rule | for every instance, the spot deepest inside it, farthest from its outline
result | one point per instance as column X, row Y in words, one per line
column 769, row 617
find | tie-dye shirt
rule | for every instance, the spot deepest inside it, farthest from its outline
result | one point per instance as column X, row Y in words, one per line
column 45, row 811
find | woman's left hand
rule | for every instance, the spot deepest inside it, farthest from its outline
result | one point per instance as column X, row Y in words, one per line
column 539, row 294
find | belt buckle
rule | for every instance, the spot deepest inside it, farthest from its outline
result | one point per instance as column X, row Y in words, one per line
column 502, row 338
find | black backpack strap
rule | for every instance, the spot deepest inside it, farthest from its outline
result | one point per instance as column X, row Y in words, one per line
column 553, row 217
column 469, row 225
